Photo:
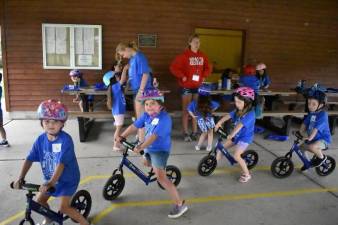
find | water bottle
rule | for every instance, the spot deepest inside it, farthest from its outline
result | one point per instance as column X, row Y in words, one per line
column 219, row 84
column 228, row 84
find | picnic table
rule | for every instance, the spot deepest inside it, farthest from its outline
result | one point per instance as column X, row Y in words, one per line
column 293, row 99
column 86, row 119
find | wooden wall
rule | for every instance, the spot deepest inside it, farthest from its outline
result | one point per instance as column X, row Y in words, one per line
column 296, row 39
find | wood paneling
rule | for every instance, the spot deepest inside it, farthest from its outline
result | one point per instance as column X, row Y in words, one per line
column 296, row 39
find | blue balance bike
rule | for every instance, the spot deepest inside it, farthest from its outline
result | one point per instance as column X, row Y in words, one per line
column 115, row 184
column 283, row 166
column 208, row 163
column 81, row 201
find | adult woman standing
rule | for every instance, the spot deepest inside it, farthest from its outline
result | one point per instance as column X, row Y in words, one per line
column 138, row 72
column 190, row 68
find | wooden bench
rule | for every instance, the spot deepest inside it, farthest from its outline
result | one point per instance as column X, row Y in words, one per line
column 86, row 120
column 287, row 117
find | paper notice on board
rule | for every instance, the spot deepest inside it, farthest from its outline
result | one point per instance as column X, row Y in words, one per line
column 85, row 60
column 50, row 40
column 78, row 40
column 61, row 40
column 88, row 41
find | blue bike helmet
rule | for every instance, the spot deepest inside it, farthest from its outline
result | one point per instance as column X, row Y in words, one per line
column 106, row 78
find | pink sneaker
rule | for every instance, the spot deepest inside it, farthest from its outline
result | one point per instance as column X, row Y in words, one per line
column 244, row 178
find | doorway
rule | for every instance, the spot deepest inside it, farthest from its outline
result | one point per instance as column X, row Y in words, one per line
column 224, row 49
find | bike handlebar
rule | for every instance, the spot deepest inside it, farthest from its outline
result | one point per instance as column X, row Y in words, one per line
column 298, row 135
column 129, row 145
column 31, row 187
column 220, row 131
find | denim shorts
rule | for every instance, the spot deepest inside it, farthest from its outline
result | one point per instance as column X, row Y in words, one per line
column 188, row 91
column 157, row 159
column 322, row 144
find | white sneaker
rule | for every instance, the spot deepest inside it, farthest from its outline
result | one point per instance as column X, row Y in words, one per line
column 44, row 222
column 209, row 148
column 197, row 147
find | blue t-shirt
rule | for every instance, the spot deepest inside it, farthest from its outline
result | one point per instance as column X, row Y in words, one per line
column 320, row 121
column 51, row 153
column 246, row 133
column 138, row 65
column 160, row 125
column 118, row 100
column 264, row 80
column 249, row 81
column 192, row 107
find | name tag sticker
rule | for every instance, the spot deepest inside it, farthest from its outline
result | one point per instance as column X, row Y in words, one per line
column 56, row 147
column 195, row 77
column 154, row 121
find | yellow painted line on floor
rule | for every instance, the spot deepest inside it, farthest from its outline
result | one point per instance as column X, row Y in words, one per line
column 104, row 213
column 185, row 173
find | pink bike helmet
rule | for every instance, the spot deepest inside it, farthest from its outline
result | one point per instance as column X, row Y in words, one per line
column 75, row 73
column 260, row 66
column 245, row 92
column 151, row 93
column 52, row 110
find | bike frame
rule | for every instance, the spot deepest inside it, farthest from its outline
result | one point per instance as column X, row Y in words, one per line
column 32, row 205
column 295, row 148
column 145, row 178
column 225, row 152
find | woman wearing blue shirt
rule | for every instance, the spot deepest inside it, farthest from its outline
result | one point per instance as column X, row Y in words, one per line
column 243, row 118
column 157, row 144
column 138, row 72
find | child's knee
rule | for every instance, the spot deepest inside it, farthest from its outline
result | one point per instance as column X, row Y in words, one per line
column 64, row 208
column 238, row 155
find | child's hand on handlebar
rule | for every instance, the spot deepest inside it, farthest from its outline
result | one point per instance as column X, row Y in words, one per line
column 138, row 149
column 18, row 184
column 217, row 126
column 118, row 139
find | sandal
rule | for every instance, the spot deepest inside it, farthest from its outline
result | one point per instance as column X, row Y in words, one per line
column 244, row 178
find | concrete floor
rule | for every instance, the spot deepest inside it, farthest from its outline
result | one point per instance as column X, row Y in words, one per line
column 302, row 198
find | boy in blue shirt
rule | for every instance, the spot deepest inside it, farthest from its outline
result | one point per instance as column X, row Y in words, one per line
column 116, row 100
column 201, row 110
column 243, row 118
column 4, row 142
column 157, row 144
column 316, row 128
column 54, row 149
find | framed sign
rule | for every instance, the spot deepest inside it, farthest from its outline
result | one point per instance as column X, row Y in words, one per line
column 147, row 40
column 72, row 46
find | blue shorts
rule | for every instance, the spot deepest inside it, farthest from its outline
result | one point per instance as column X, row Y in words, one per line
column 188, row 91
column 206, row 124
column 157, row 159
column 64, row 189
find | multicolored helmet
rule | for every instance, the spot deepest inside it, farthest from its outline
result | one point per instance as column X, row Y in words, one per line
column 151, row 93
column 260, row 66
column 107, row 76
column 52, row 110
column 320, row 96
column 249, row 70
column 75, row 73
column 245, row 92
